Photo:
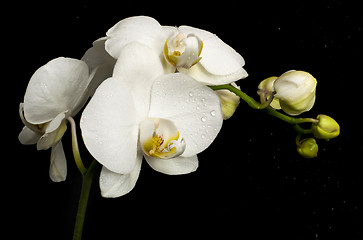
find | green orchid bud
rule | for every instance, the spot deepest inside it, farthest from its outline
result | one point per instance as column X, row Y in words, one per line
column 296, row 91
column 307, row 148
column 265, row 90
column 229, row 102
column 327, row 128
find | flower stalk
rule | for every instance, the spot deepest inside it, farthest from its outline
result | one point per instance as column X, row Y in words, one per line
column 87, row 178
column 83, row 200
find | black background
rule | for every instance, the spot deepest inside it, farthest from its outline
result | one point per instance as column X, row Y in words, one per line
column 251, row 183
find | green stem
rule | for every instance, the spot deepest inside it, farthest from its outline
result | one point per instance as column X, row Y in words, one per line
column 288, row 119
column 267, row 109
column 83, row 200
column 250, row 101
column 76, row 155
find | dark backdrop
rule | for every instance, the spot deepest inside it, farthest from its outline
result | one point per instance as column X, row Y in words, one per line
column 251, row 183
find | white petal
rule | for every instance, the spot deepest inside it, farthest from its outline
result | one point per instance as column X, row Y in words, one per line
column 138, row 66
column 100, row 61
column 194, row 109
column 115, row 185
column 101, row 73
column 97, row 55
column 55, row 87
column 220, row 64
column 53, row 132
column 142, row 29
column 58, row 163
column 174, row 166
column 199, row 73
column 110, row 128
column 28, row 137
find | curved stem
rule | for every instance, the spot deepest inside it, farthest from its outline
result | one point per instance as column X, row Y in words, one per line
column 83, row 200
column 267, row 109
column 288, row 119
column 250, row 101
column 76, row 155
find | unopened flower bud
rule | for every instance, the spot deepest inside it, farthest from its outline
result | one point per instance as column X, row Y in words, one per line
column 307, row 148
column 296, row 91
column 265, row 90
column 229, row 102
column 327, row 128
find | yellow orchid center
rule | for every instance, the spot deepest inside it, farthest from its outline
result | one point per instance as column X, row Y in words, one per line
column 181, row 51
column 159, row 138
column 156, row 146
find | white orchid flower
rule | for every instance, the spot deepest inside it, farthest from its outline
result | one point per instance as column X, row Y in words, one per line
column 56, row 91
column 192, row 51
column 140, row 111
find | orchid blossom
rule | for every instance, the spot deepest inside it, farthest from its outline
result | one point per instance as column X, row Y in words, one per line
column 165, row 118
column 192, row 51
column 55, row 92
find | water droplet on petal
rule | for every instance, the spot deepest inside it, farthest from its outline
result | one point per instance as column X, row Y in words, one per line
column 190, row 94
column 213, row 113
column 203, row 119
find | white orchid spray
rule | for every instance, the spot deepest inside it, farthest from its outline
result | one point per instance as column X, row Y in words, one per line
column 157, row 93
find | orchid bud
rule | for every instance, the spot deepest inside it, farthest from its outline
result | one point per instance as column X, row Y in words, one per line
column 296, row 91
column 229, row 102
column 307, row 148
column 265, row 90
column 327, row 128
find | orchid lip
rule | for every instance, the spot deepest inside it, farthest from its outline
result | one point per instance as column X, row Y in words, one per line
column 182, row 51
column 160, row 138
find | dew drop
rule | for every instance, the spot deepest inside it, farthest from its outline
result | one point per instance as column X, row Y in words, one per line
column 203, row 119
column 213, row 113
column 190, row 94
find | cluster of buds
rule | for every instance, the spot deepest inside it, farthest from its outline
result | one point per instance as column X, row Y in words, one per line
column 294, row 93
